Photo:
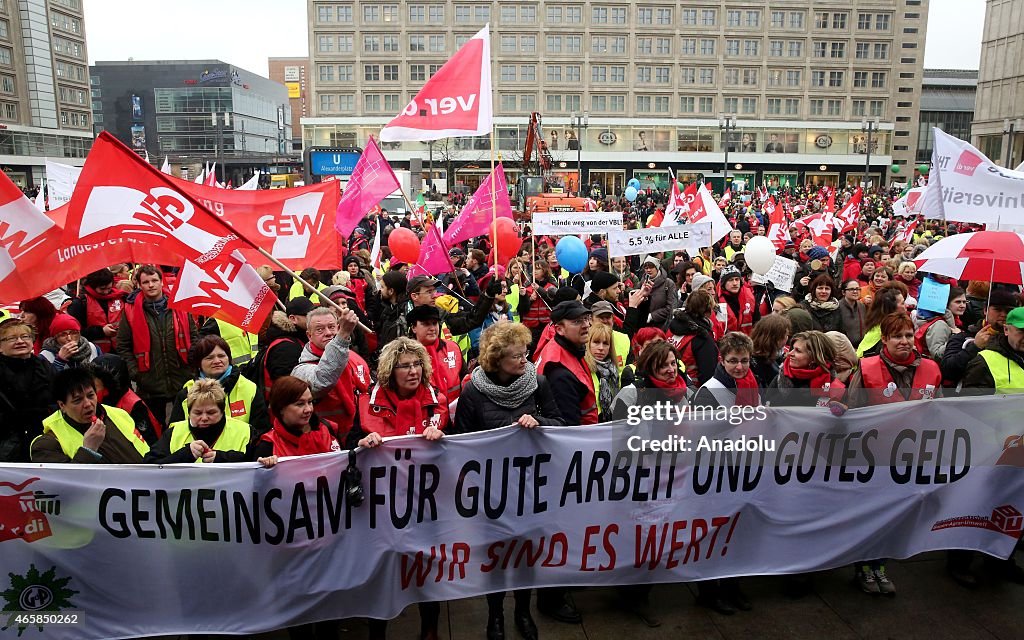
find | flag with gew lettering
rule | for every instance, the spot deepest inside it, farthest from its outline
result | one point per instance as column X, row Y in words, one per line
column 456, row 101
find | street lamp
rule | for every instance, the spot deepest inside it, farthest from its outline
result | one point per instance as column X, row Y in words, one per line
column 220, row 137
column 726, row 123
column 1009, row 127
column 579, row 123
column 869, row 127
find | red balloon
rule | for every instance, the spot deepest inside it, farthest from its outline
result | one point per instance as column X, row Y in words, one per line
column 404, row 245
column 505, row 232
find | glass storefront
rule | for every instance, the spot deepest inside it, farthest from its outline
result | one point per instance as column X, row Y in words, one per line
column 781, row 179
column 822, row 178
column 652, row 179
column 611, row 182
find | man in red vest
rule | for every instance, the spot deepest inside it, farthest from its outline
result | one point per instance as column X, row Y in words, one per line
column 561, row 360
column 445, row 355
column 154, row 341
column 98, row 309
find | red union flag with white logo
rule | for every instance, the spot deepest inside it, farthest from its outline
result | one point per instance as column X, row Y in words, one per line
column 456, row 101
column 847, row 218
column 25, row 232
column 119, row 196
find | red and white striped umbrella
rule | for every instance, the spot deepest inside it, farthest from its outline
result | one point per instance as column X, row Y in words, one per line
column 996, row 256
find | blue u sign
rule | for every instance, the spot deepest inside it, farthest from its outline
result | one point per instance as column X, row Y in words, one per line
column 332, row 163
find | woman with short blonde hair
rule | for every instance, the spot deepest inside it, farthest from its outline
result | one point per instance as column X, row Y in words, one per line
column 207, row 434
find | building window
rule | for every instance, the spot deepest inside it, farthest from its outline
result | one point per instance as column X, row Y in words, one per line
column 774, row 106
column 599, row 15
column 482, row 13
column 324, row 13
column 687, row 104
column 599, row 74
column 417, row 43
column 371, row 72
column 732, row 76
column 371, row 13
column 707, row 47
column 391, row 72
column 436, row 44
column 508, row 102
column 731, row 105
column 835, row 78
column 554, row 73
column 821, row 20
column 707, row 17
column 346, row 43
column 390, row 43
column 689, row 46
column 662, row 75
column 792, row 106
column 793, row 77
column 859, row 108
column 326, row 72
column 508, row 73
column 706, row 104
column 418, row 73
column 864, row 21
column 752, row 19
column 573, row 73
column 417, row 13
column 371, row 44
column 554, row 14
column 371, row 102
column 644, row 15
column 619, row 44
column 344, row 13
column 778, row 19
column 643, row 74
column 326, row 102
column 617, row 104
column 664, row 16
column 435, row 13
column 862, row 51
column 508, row 44
column 882, row 22
column 860, row 79
column 574, row 15
column 689, row 17
column 390, row 12
column 644, row 46
column 817, row 78
column 5, row 56
column 732, row 18
column 528, row 73
column 7, row 84
column 732, row 47
column 572, row 104
column 837, row 50
column 881, row 50
column 835, row 107
column 878, row 108
column 774, row 78
column 817, row 107
column 687, row 75
column 796, row 49
column 775, row 48
column 878, row 80
column 618, row 15
column 346, row 102
column 820, row 49
column 618, row 73
column 796, row 19
column 707, row 75
column 508, row 14
column 660, row 104
column 345, row 73
column 750, row 77
column 528, row 44
column 554, row 102
column 528, row 102
column 839, row 21
column 664, row 46
column 554, row 44
column 643, row 104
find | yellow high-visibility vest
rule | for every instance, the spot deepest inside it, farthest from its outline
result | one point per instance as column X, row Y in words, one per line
column 71, row 440
column 234, row 437
column 239, row 401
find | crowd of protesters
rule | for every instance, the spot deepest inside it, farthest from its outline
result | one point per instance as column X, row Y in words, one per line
column 110, row 374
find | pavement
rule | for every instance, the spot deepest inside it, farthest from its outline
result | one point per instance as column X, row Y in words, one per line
column 928, row 604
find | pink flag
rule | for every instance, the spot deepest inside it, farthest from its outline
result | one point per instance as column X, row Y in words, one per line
column 433, row 259
column 455, row 101
column 372, row 180
column 475, row 219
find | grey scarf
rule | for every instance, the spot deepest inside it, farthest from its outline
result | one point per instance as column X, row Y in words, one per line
column 829, row 305
column 510, row 396
column 608, row 375
column 79, row 358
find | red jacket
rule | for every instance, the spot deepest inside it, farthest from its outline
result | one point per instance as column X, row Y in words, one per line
column 745, row 321
column 339, row 405
column 381, row 411
column 851, row 268
column 319, row 439
column 881, row 388
column 555, row 353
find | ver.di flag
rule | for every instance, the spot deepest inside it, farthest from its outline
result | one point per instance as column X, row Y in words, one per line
column 371, row 181
column 24, row 230
column 119, row 196
column 488, row 202
column 455, row 102
column 849, row 215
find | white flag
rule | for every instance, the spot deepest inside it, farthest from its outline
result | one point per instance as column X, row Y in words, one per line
column 40, row 201
column 166, row 168
column 61, row 180
column 965, row 186
column 202, row 175
column 375, row 250
column 251, row 184
column 147, row 157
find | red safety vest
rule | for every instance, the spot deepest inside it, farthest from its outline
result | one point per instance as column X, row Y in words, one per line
column 95, row 316
column 382, row 412
column 684, row 346
column 745, row 322
column 881, row 387
column 142, row 341
column 446, row 361
column 538, row 314
column 919, row 336
column 339, row 405
column 554, row 353
column 128, row 402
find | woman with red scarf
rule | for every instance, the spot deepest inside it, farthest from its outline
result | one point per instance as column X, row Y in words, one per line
column 807, row 377
column 295, row 430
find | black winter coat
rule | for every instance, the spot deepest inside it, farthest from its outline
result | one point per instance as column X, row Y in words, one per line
column 24, row 403
column 477, row 412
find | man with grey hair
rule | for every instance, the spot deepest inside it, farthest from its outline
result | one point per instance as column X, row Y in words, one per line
column 333, row 372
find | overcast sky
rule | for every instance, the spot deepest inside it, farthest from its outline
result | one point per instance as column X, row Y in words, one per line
column 246, row 32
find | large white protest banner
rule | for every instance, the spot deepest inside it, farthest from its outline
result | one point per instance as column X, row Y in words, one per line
column 663, row 496
column 557, row 223
column 686, row 237
column 965, row 186
column 60, row 182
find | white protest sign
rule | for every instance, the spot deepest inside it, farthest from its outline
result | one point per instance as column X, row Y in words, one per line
column 60, row 182
column 686, row 237
column 781, row 274
column 965, row 186
column 556, row 223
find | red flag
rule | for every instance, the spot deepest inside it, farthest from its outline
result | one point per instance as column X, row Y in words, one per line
column 456, row 101
column 848, row 217
column 820, row 227
column 371, row 181
column 211, row 177
column 231, row 291
column 119, row 196
column 293, row 225
column 726, row 198
column 776, row 224
column 906, row 235
column 475, row 218
column 26, row 235
column 433, row 259
column 681, row 207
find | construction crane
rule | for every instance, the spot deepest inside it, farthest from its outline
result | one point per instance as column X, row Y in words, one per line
column 533, row 189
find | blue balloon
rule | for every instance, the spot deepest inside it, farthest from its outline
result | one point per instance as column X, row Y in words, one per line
column 633, row 182
column 571, row 254
column 631, row 193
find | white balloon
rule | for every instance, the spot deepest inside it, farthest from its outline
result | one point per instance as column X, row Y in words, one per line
column 759, row 254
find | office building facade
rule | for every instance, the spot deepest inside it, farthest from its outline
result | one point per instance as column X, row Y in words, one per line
column 998, row 128
column 292, row 73
column 800, row 80
column 195, row 112
column 947, row 102
column 44, row 87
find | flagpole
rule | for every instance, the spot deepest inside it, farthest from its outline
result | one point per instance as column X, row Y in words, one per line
column 324, row 299
column 494, row 206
